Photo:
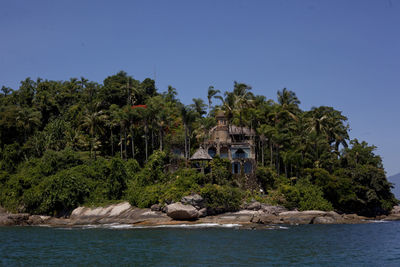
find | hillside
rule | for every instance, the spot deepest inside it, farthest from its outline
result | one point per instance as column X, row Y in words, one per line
column 69, row 143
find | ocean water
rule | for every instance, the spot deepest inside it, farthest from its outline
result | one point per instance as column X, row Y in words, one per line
column 376, row 244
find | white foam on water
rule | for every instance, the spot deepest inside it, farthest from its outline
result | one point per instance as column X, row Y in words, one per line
column 283, row 227
column 376, row 221
column 130, row 226
column 120, row 226
column 107, row 226
column 199, row 225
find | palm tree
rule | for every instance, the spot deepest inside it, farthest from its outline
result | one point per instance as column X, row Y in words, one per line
column 210, row 94
column 93, row 120
column 188, row 117
column 329, row 123
column 289, row 103
column 28, row 119
column 112, row 122
column 199, row 106
column 6, row 90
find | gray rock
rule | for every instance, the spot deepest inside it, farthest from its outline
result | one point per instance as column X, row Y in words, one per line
column 195, row 200
column 14, row 219
column 274, row 210
column 2, row 210
column 324, row 220
column 203, row 212
column 253, row 206
column 35, row 220
column 164, row 208
column 5, row 221
column 266, row 219
column 19, row 218
column 156, row 207
column 395, row 210
column 297, row 219
column 178, row 211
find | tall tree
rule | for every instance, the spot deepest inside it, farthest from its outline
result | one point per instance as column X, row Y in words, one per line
column 210, row 94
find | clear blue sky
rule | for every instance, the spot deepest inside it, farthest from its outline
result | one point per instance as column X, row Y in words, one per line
column 344, row 54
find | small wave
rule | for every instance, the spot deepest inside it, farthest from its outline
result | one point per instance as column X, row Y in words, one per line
column 376, row 221
column 107, row 226
column 199, row 225
column 130, row 226
column 283, row 227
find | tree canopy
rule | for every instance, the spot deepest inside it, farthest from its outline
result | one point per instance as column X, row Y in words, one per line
column 116, row 139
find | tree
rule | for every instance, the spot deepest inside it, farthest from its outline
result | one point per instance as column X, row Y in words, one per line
column 210, row 94
column 93, row 121
column 28, row 119
column 6, row 90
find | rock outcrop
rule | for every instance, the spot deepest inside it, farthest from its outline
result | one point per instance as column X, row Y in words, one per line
column 179, row 211
column 195, row 200
column 308, row 217
column 124, row 213
column 395, row 210
column 253, row 206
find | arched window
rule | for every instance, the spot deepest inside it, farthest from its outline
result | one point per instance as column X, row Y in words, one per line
column 212, row 152
column 240, row 154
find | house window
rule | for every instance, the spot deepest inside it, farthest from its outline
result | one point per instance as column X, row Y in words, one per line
column 240, row 154
column 223, row 153
column 248, row 167
column 236, row 167
column 212, row 152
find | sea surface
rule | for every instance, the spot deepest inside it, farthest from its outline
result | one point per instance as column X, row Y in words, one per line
column 375, row 244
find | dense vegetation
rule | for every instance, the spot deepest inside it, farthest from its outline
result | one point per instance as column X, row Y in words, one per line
column 66, row 143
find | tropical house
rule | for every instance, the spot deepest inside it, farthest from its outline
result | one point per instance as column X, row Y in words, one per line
column 233, row 143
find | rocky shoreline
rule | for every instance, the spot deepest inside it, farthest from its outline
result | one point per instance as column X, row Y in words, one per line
column 255, row 215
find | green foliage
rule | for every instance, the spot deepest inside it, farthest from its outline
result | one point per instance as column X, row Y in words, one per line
column 112, row 129
column 221, row 198
column 182, row 183
column 153, row 171
column 11, row 155
column 144, row 196
column 58, row 194
column 267, row 178
column 116, row 179
column 304, row 196
column 220, row 171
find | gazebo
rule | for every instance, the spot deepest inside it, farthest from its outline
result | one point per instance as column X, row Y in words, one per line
column 200, row 159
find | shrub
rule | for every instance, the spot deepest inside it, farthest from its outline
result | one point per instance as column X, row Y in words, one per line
column 220, row 199
column 267, row 178
column 220, row 171
column 304, row 196
column 183, row 182
column 143, row 196
column 58, row 194
column 153, row 171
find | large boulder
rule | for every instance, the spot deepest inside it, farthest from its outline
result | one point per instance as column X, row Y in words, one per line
column 195, row 200
column 179, row 211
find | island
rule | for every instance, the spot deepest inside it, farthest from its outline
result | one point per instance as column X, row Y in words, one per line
column 74, row 152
